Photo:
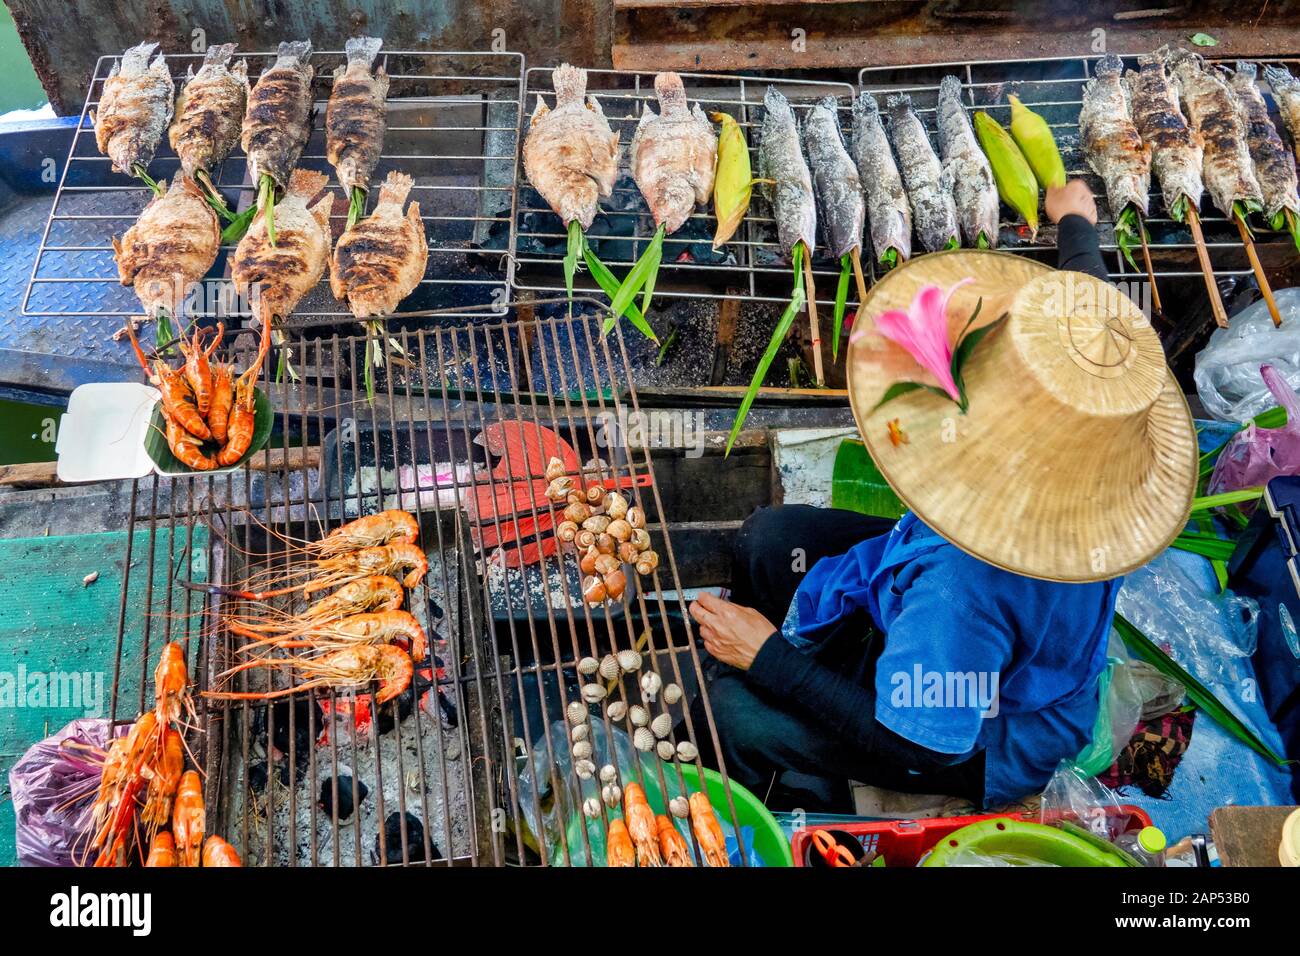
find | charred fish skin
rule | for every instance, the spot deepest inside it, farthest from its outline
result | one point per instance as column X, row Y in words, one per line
column 280, row 275
column 1111, row 142
column 1211, row 108
column 278, row 122
column 172, row 245
column 355, row 116
column 974, row 192
column 134, row 109
column 928, row 188
column 1286, row 90
column 380, row 260
column 1274, row 163
column 1176, row 148
column 889, row 214
column 836, row 185
column 780, row 159
column 570, row 153
column 209, row 110
column 673, row 155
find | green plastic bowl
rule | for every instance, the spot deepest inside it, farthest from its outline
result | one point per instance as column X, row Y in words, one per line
column 1021, row 838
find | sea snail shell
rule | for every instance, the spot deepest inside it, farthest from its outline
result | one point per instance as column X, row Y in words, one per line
column 593, row 590
column 636, row 518
column 566, row 531
column 554, row 468
column 615, row 505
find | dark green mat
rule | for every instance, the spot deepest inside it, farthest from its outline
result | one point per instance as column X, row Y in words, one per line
column 53, row 624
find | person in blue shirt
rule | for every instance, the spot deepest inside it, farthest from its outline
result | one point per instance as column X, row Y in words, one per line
column 960, row 654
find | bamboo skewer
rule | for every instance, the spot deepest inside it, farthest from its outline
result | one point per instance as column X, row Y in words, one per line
column 1211, row 287
column 818, row 371
column 855, row 256
column 1156, row 308
column 1264, row 287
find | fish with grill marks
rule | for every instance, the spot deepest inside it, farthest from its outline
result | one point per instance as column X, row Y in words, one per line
column 280, row 275
column 173, row 244
column 1211, row 108
column 888, row 213
column 1176, row 149
column 1111, row 142
column 134, row 109
column 1274, row 163
column 380, row 260
column 278, row 122
column 673, row 155
column 789, row 190
column 355, row 115
column 1286, row 90
column 974, row 192
column 209, row 110
column 929, row 188
column 571, row 154
column 836, row 186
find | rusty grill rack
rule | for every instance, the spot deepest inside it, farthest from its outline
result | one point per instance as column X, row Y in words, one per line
column 1054, row 88
column 466, row 762
column 453, row 121
column 751, row 266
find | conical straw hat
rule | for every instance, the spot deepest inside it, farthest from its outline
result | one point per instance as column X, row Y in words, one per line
column 1077, row 458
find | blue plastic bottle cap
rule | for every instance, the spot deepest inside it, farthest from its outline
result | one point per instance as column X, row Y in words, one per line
column 1152, row 839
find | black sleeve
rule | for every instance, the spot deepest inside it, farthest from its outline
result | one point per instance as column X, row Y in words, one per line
column 1078, row 248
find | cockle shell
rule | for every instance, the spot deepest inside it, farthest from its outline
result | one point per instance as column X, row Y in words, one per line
column 582, row 750
column 679, row 807
column 612, row 794
column 591, row 807
column 579, row 732
column 585, row 769
column 639, row 716
column 650, row 684
column 687, row 751
column 662, row 725
column 629, row 660
column 617, row 710
column 665, row 749
column 576, row 712
column 609, row 667
column 588, row 666
column 593, row 693
column 643, row 739
column 672, row 694
column 608, row 773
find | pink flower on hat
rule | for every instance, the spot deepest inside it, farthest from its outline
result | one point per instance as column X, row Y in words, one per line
column 923, row 331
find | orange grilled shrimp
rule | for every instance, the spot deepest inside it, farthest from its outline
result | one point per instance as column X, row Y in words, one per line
column 121, row 783
column 350, row 668
column 380, row 627
column 382, row 559
column 198, row 369
column 641, row 825
column 707, row 830
column 242, row 421
column 177, row 399
column 164, row 778
column 618, row 845
column 672, row 844
column 217, row 852
column 386, row 527
column 375, row 592
column 162, row 852
column 188, row 819
column 171, row 685
column 185, row 444
column 223, row 398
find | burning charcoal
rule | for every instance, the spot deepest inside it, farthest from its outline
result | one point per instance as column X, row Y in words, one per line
column 345, row 795
column 384, row 720
column 305, row 724
column 257, row 776
column 392, row 841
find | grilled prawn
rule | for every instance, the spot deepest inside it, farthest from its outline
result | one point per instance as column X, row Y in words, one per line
column 379, row 261
column 673, row 155
column 134, row 109
column 355, row 116
column 172, row 245
column 209, row 111
column 351, row 668
column 378, row 627
column 278, row 122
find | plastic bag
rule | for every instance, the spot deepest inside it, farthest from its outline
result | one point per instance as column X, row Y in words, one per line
column 53, row 787
column 965, row 856
column 1255, row 455
column 1082, row 800
column 1227, row 369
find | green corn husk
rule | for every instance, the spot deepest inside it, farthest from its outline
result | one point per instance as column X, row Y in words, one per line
column 732, row 179
column 1017, row 184
column 1037, row 144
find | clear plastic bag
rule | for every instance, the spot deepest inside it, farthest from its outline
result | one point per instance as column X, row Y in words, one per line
column 1227, row 369
column 1082, row 800
column 1255, row 456
column 966, row 856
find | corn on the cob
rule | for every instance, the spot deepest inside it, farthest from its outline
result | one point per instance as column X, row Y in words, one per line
column 732, row 180
column 1016, row 183
column 1034, row 137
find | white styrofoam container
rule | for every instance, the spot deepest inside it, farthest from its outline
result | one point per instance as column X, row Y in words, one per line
column 101, row 435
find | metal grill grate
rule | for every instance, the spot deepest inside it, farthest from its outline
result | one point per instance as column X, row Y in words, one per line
column 750, row 266
column 473, row 775
column 1054, row 88
column 453, row 121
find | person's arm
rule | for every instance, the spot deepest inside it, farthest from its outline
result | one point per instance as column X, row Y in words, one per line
column 1074, row 210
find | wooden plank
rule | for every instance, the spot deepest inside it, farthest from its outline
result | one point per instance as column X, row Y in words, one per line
column 42, row 474
column 1248, row 836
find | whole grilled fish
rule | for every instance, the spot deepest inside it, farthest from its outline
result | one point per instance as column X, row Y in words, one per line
column 355, row 115
column 171, row 245
column 282, row 274
column 1286, row 90
column 1111, row 142
column 888, row 212
column 134, row 109
column 974, row 192
column 1176, row 149
column 836, row 186
column 380, row 260
column 278, row 122
column 1274, row 163
column 928, row 187
column 780, row 160
column 1211, row 108
column 209, row 110
column 571, row 154
column 673, row 155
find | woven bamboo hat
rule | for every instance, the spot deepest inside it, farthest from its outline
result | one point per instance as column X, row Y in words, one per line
column 1077, row 458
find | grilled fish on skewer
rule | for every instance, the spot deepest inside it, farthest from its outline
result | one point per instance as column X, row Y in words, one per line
column 888, row 212
column 282, row 274
column 974, row 193
column 673, row 155
column 355, row 116
column 1274, row 163
column 1111, row 142
column 571, row 154
column 209, row 111
column 928, row 187
column 134, row 109
column 1286, row 90
column 838, row 190
column 781, row 161
column 1176, row 149
column 1211, row 108
column 278, row 122
column 171, row 245
column 379, row 261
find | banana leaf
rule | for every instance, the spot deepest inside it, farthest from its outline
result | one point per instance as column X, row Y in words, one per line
column 1205, row 544
column 857, row 484
column 1209, row 502
column 841, row 301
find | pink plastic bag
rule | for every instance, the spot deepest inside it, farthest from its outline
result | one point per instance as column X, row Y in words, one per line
column 1256, row 455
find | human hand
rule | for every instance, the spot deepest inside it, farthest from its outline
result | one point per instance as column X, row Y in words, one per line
column 732, row 633
column 1074, row 198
